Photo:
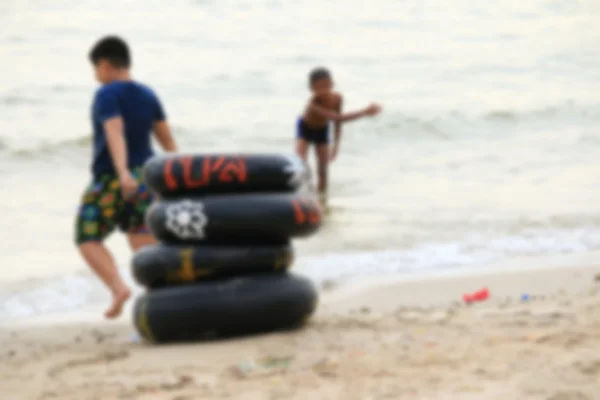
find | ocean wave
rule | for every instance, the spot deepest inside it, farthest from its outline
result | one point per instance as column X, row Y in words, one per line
column 475, row 251
column 590, row 139
column 550, row 113
column 30, row 149
column 13, row 100
column 46, row 148
column 393, row 125
column 457, row 124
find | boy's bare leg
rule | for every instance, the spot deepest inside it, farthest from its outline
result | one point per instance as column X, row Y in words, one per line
column 101, row 261
column 302, row 149
column 322, row 151
column 139, row 240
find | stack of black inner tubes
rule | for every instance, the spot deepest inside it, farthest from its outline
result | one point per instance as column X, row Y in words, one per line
column 225, row 224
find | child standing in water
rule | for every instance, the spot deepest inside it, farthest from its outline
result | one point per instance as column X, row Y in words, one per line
column 124, row 114
column 324, row 106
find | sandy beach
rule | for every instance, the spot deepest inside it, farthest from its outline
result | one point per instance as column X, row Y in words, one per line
column 407, row 339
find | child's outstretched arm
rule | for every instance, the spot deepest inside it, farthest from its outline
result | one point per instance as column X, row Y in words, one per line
column 338, row 117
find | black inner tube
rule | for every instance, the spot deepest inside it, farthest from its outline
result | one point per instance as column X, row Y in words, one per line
column 178, row 175
column 237, row 306
column 249, row 219
column 161, row 265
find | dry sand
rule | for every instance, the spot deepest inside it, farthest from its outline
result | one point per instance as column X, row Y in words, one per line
column 411, row 339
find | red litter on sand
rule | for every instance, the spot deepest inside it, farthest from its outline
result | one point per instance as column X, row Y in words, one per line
column 480, row 295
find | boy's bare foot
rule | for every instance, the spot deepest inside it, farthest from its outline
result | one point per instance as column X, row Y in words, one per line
column 120, row 297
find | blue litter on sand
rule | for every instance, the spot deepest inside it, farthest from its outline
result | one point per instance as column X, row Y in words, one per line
column 135, row 338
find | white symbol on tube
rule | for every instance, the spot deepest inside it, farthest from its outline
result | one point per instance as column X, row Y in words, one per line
column 186, row 219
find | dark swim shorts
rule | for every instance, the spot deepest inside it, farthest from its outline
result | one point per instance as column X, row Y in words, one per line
column 103, row 209
column 311, row 135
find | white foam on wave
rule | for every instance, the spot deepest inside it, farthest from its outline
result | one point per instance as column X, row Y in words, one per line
column 71, row 292
column 429, row 257
column 59, row 295
column 66, row 293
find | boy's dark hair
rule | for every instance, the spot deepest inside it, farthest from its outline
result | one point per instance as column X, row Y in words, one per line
column 113, row 49
column 317, row 74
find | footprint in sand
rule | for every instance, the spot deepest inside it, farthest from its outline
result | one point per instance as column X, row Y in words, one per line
column 588, row 367
column 103, row 358
column 570, row 395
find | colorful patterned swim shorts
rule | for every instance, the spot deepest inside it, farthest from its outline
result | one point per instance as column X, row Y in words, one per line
column 103, row 209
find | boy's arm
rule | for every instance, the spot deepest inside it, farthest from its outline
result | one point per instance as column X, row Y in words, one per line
column 338, row 124
column 162, row 132
column 114, row 129
column 336, row 116
column 115, row 139
column 161, row 129
column 109, row 113
column 337, row 133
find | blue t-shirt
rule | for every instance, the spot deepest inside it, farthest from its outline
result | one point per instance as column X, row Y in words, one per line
column 139, row 107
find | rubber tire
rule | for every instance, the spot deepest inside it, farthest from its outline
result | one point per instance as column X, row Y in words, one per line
column 230, row 220
column 224, row 174
column 160, row 265
column 234, row 307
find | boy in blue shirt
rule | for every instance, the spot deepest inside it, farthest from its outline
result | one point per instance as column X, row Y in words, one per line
column 124, row 113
